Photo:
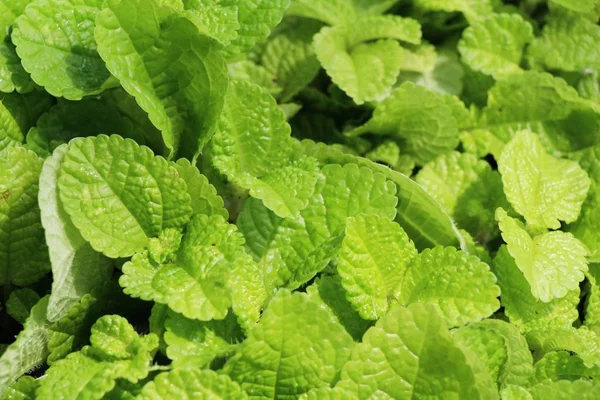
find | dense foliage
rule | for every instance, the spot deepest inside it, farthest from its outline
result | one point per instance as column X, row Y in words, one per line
column 313, row 199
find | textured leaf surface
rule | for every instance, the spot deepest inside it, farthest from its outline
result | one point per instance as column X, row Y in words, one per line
column 421, row 121
column 581, row 341
column 205, row 199
column 543, row 189
column 460, row 286
column 296, row 346
column 553, row 263
column 55, row 41
column 399, row 358
column 582, row 390
column 23, row 252
column 560, row 365
column 524, row 310
column 374, row 257
column 76, row 267
column 176, row 74
column 192, row 384
column 139, row 194
column 12, row 75
column 472, row 9
column 20, row 302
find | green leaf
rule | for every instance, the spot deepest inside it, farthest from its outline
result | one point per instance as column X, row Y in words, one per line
column 567, row 43
column 553, row 263
column 399, row 358
column 247, row 70
column 55, row 41
column 192, row 384
column 328, row 291
column 23, row 389
column 424, row 124
column 581, row 390
column 365, row 71
column 482, row 50
column 471, row 9
column 296, row 249
column 581, row 341
column 22, row 247
column 583, row 6
column 215, row 18
column 27, row 108
column 30, row 348
column 20, row 302
column 205, row 199
column 503, row 349
column 524, row 310
column 192, row 343
column 332, row 12
column 176, row 75
column 374, row 257
column 297, row 345
column 467, row 189
column 76, row 267
column 195, row 282
column 543, row 189
column 460, row 286
column 592, row 302
column 142, row 195
column 12, row 75
column 561, row 365
column 584, row 228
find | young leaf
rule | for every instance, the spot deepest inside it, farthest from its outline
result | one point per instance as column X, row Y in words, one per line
column 76, row 267
column 12, row 75
column 373, row 259
column 543, row 189
column 332, row 12
column 55, row 41
column 482, row 50
column 473, row 10
column 460, row 286
column 553, row 263
column 581, row 341
column 192, row 384
column 177, row 75
column 141, row 195
column 205, row 199
column 29, row 350
column 580, row 389
column 23, row 251
column 522, row 309
column 296, row 346
column 23, row 389
column 560, row 365
column 398, row 358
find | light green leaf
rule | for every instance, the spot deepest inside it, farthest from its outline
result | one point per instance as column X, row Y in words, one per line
column 23, row 389
column 205, row 199
column 215, row 18
column 366, row 71
column 524, row 310
column 503, row 349
column 567, row 43
column 441, row 73
column 328, row 291
column 20, row 302
column 22, row 246
column 297, row 345
column 192, row 384
column 296, row 249
column 176, row 75
column 196, row 344
column 249, row 71
column 140, row 197
column 544, row 189
column 422, row 122
column 332, row 12
column 553, row 263
column 471, row 9
column 76, row 267
column 467, row 189
column 374, row 27
column 373, row 259
column 460, row 286
column 12, row 75
column 494, row 45
column 29, row 350
column 592, row 302
column 583, row 6
column 290, row 57
column 399, row 359
column 561, row 365
column 26, row 108
column 563, row 390
column 55, row 41
column 585, row 227
column 581, row 341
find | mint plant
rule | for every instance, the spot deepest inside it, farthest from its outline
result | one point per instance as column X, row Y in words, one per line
column 299, row 199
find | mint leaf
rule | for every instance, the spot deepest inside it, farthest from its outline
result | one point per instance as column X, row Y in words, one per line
column 205, row 199
column 482, row 52
column 374, row 256
column 179, row 83
column 581, row 341
column 143, row 193
column 12, row 75
column 20, row 302
column 292, row 329
column 560, row 365
column 471, row 9
column 561, row 185
column 58, row 48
